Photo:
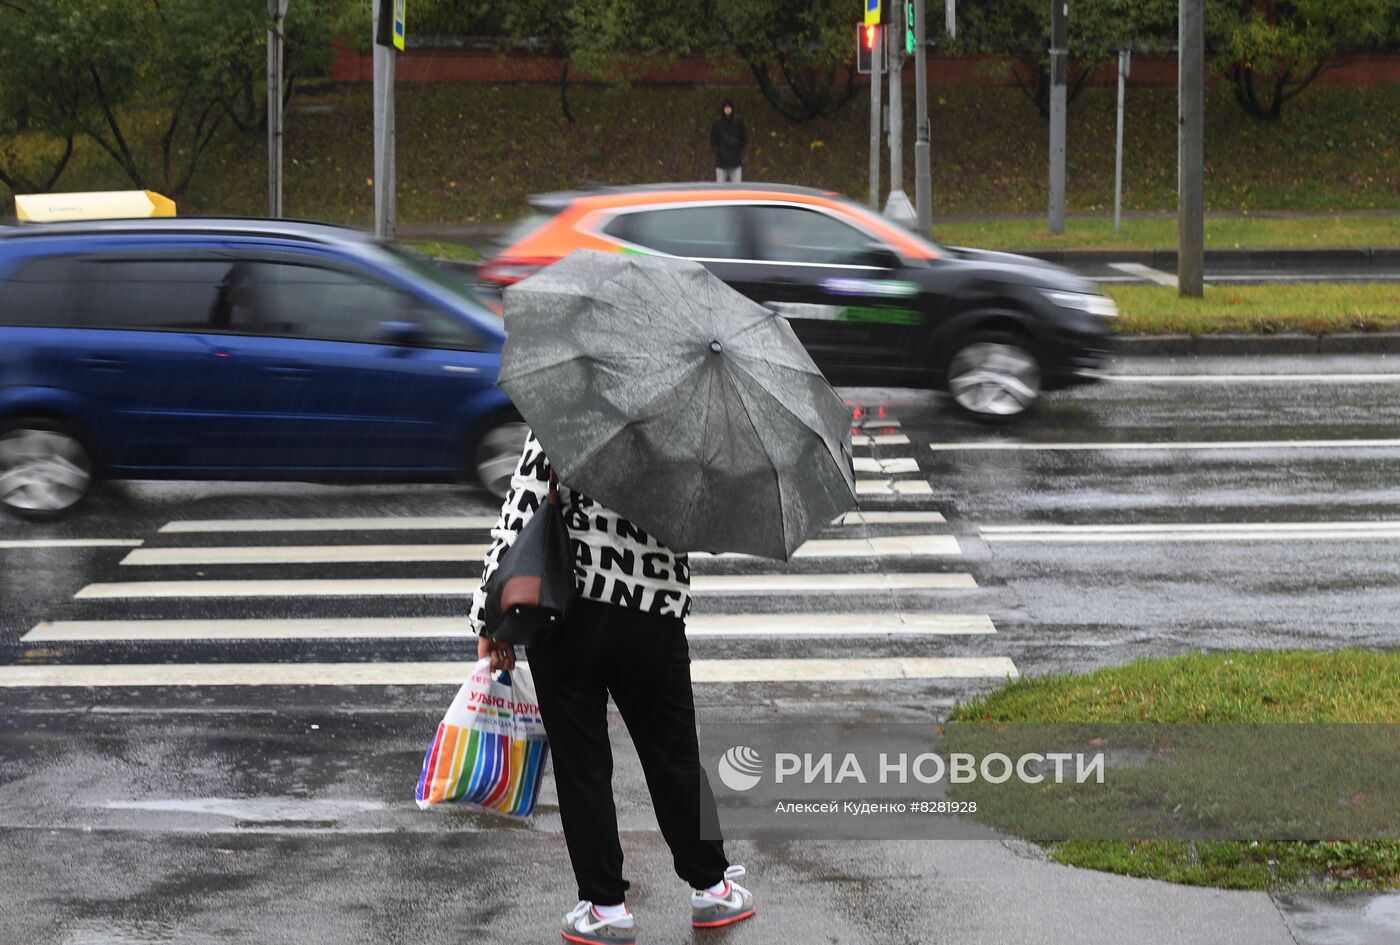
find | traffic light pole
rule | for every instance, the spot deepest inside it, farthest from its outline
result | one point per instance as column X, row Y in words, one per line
column 1191, row 106
column 876, row 61
column 923, row 175
column 897, row 206
column 277, row 13
column 384, row 145
column 1059, row 67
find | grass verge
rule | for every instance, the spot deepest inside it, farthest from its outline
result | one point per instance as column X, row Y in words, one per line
column 437, row 249
column 1315, row 308
column 1211, row 691
column 1312, row 231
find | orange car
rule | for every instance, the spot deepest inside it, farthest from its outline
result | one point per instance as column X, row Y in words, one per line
column 874, row 303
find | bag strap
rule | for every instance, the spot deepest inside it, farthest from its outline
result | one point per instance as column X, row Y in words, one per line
column 553, row 488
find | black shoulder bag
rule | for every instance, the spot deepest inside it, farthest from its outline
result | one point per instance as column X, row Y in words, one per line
column 530, row 592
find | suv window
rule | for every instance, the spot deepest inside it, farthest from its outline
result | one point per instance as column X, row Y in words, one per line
column 336, row 305
column 156, row 293
column 696, row 232
column 792, row 234
column 37, row 292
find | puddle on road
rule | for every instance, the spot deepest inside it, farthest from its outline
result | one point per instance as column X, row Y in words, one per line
column 1343, row 918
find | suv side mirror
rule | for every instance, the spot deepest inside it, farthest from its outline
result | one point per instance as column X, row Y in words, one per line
column 880, row 256
column 400, row 332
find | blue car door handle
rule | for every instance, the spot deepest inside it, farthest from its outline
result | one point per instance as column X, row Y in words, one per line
column 103, row 363
column 290, row 371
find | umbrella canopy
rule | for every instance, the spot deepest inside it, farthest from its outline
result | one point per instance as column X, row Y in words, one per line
column 670, row 398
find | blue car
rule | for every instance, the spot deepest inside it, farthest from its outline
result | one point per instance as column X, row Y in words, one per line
column 239, row 349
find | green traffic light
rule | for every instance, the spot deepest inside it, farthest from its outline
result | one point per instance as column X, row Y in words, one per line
column 909, row 28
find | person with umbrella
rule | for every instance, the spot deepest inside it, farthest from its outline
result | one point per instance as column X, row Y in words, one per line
column 654, row 387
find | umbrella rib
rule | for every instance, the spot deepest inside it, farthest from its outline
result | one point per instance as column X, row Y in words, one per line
column 767, row 393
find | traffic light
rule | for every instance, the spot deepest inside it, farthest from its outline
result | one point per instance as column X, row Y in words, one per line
column 867, row 41
column 909, row 27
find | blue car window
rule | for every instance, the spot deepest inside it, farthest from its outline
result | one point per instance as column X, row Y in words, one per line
column 153, row 293
column 38, row 293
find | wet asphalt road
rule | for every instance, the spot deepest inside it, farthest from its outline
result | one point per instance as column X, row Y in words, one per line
column 283, row 813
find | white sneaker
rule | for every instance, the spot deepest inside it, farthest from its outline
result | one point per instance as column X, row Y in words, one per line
column 735, row 903
column 584, row 924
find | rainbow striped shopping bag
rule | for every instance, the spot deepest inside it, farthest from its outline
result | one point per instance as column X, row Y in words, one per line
column 490, row 748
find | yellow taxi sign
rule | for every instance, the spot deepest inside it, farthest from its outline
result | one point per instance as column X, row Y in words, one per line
column 95, row 205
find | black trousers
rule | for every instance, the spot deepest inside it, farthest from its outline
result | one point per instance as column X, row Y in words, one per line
column 644, row 662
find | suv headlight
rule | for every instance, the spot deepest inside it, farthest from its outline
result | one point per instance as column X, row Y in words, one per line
column 1090, row 302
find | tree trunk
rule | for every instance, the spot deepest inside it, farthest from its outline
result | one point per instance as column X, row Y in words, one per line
column 564, row 91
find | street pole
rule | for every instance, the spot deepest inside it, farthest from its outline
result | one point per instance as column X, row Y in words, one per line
column 384, row 62
column 1125, row 61
column 897, row 205
column 277, row 13
column 1191, row 104
column 1059, row 65
column 923, row 175
column 877, row 56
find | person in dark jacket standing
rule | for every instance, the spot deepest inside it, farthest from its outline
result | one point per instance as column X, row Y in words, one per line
column 728, row 138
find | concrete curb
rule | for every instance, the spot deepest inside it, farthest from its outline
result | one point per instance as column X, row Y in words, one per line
column 1283, row 343
column 1165, row 259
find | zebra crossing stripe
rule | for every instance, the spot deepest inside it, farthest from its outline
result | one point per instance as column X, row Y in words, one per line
column 381, row 523
column 702, row 585
column 892, row 518
column 304, row 554
column 443, row 673
column 764, row 626
column 893, row 487
column 71, row 543
column 879, row 547
column 879, row 439
column 890, row 467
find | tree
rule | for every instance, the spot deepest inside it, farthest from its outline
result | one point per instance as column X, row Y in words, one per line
column 111, row 69
column 809, row 42
column 1020, row 29
column 1271, row 50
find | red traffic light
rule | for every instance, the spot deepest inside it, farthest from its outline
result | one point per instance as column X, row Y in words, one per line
column 870, row 36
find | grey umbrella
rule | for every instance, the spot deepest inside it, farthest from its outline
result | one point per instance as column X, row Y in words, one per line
column 690, row 410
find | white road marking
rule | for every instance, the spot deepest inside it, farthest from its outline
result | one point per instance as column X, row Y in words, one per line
column 381, row 523
column 320, row 587
column 835, row 583
column 1254, row 378
column 881, row 423
column 430, row 587
column 890, row 467
column 122, row 675
column 1241, row 535
column 891, row 518
column 1145, row 272
column 1183, row 445
column 72, row 543
column 879, row 439
column 889, row 546
column 304, row 554
column 893, row 487
column 761, row 626
column 1379, row 525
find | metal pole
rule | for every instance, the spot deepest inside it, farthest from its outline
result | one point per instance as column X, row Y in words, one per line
column 894, row 42
column 383, row 134
column 1191, row 104
column 923, row 175
column 1059, row 64
column 1125, row 57
column 950, row 18
column 277, row 12
column 877, row 56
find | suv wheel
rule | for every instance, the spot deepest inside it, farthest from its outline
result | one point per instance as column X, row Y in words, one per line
column 44, row 469
column 497, row 454
column 993, row 378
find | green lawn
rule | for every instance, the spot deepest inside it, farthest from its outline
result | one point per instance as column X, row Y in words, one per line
column 1210, row 691
column 1159, row 232
column 471, row 153
column 1316, row 308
